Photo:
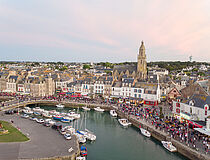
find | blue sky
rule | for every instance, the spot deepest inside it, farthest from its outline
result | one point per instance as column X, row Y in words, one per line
column 104, row 30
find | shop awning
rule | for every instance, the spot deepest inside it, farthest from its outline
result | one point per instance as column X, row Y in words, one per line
column 203, row 131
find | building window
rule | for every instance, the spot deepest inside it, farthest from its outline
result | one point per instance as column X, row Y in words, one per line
column 177, row 110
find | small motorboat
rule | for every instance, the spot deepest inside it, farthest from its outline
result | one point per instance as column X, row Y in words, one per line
column 145, row 132
column 88, row 135
column 66, row 119
column 37, row 109
column 74, row 115
column 58, row 118
column 70, row 130
column 80, row 158
column 113, row 113
column 124, row 122
column 81, row 138
column 86, row 108
column 37, row 113
column 26, row 111
column 83, row 151
column 98, row 109
column 46, row 114
column 168, row 145
column 59, row 106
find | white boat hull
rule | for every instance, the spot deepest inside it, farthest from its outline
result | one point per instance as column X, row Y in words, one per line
column 113, row 113
column 124, row 122
column 145, row 132
column 60, row 106
column 169, row 146
column 86, row 108
column 98, row 109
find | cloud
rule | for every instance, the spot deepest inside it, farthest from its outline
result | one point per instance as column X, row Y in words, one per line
column 110, row 28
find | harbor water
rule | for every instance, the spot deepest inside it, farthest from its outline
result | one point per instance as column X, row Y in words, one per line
column 115, row 142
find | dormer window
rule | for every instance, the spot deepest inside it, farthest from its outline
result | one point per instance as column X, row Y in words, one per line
column 191, row 103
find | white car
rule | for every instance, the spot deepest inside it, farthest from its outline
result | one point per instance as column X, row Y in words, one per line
column 40, row 121
column 25, row 116
column 67, row 136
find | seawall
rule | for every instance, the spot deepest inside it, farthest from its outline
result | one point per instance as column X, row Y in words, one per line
column 161, row 136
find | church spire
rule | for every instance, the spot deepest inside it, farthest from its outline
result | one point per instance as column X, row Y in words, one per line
column 142, row 63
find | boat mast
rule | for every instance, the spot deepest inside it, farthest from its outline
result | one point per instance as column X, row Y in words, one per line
column 85, row 120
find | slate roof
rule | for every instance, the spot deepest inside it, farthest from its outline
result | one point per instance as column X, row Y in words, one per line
column 13, row 77
column 199, row 100
column 117, row 84
column 127, row 80
column 124, row 68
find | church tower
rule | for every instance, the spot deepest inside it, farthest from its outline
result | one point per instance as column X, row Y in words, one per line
column 142, row 63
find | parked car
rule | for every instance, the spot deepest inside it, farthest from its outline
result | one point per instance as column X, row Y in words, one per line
column 62, row 131
column 25, row 116
column 46, row 124
column 67, row 136
column 40, row 121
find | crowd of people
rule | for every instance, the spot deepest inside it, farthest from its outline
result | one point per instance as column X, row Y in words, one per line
column 177, row 129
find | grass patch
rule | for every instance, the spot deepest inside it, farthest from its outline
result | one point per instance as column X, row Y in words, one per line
column 14, row 134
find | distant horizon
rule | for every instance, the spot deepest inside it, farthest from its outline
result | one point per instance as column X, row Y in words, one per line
column 99, row 61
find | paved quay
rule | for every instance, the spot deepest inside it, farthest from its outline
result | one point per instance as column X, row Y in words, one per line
column 160, row 135
column 44, row 142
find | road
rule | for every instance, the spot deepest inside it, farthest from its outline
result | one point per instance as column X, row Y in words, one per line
column 44, row 141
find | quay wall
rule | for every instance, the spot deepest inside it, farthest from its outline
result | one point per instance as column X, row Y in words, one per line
column 157, row 134
column 161, row 136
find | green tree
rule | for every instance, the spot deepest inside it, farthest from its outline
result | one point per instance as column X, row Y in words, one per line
column 86, row 66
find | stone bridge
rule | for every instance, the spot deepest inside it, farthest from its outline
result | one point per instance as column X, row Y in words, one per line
column 12, row 103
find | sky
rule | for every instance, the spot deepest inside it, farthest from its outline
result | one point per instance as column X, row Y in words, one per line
column 104, row 30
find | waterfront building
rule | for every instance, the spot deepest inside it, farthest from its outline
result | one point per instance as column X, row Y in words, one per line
column 127, row 84
column 87, row 86
column 195, row 108
column 12, row 83
column 99, row 86
column 108, row 82
column 3, row 81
